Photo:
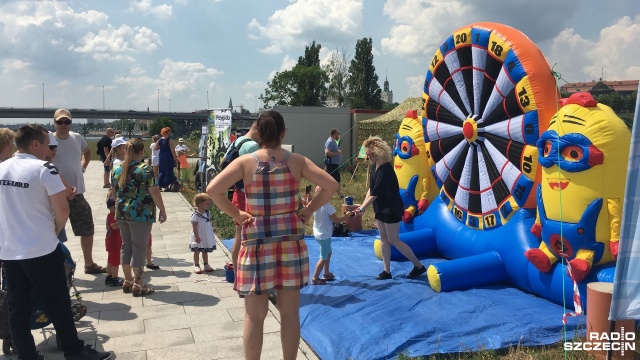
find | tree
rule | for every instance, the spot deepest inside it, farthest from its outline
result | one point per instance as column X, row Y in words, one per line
column 158, row 124
column 363, row 89
column 304, row 85
column 338, row 72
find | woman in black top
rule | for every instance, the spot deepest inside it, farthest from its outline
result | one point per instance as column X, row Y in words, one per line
column 384, row 194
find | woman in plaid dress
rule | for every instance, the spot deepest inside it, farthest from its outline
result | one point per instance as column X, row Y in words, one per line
column 273, row 254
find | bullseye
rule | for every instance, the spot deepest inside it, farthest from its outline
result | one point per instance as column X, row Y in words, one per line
column 470, row 130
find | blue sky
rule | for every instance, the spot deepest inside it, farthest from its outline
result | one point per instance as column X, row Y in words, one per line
column 231, row 48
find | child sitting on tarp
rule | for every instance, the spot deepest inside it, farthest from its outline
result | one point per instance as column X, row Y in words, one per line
column 323, row 220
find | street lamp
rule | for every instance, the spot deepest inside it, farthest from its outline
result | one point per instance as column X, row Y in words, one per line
column 158, row 100
column 207, row 99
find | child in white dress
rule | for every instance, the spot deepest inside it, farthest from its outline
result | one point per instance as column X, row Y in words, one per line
column 203, row 240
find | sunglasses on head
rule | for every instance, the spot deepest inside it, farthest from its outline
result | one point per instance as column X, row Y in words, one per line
column 61, row 122
column 53, row 147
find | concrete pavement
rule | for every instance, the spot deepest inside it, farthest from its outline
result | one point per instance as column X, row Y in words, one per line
column 190, row 316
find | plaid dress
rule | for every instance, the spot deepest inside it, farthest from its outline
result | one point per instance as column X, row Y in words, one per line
column 273, row 254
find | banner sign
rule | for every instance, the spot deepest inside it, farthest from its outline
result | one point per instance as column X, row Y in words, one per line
column 218, row 137
column 626, row 285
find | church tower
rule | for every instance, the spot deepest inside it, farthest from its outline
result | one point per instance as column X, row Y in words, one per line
column 386, row 95
column 230, row 105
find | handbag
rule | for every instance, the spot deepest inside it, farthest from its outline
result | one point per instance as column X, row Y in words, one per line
column 327, row 160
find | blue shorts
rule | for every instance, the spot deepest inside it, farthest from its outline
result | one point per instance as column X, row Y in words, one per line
column 325, row 248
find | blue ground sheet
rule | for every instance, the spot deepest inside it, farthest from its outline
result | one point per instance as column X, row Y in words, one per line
column 358, row 317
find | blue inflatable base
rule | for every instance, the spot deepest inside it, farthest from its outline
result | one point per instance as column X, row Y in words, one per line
column 358, row 317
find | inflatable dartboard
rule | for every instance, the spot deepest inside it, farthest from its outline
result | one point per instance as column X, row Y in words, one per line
column 488, row 93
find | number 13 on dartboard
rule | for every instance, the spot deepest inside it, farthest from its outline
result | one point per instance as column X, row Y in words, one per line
column 524, row 94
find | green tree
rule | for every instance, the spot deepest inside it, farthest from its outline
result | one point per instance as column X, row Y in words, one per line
column 338, row 72
column 363, row 89
column 304, row 85
column 158, row 124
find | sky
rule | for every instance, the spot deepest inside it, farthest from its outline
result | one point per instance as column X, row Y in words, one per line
column 188, row 55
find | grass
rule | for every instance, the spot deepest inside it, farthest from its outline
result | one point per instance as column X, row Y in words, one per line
column 225, row 228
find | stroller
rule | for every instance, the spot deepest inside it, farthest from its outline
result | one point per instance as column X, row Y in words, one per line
column 38, row 318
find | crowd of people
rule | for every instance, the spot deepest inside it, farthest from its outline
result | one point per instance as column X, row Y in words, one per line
column 269, row 253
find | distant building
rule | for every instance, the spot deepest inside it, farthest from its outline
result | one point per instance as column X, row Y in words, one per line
column 386, row 95
column 595, row 88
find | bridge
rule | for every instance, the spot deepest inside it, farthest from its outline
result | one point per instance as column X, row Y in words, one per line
column 47, row 113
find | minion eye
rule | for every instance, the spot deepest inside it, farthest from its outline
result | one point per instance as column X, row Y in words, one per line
column 572, row 153
column 404, row 147
column 547, row 148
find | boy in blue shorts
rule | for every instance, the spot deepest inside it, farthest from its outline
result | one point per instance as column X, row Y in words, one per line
column 323, row 220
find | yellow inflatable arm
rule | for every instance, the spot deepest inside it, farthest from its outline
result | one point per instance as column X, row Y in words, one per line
column 615, row 216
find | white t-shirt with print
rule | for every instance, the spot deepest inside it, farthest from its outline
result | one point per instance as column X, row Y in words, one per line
column 322, row 224
column 27, row 224
column 69, row 159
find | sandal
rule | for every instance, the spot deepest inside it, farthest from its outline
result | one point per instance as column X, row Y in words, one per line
column 197, row 270
column 143, row 290
column 329, row 276
column 106, row 186
column 317, row 281
column 126, row 286
column 94, row 269
column 208, row 268
column 153, row 266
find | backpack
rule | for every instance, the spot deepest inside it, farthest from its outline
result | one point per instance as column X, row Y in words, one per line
column 232, row 154
column 341, row 230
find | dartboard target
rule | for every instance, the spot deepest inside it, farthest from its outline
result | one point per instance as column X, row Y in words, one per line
column 487, row 95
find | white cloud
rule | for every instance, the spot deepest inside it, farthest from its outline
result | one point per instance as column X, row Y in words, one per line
column 11, row 66
column 415, row 86
column 615, row 53
column 271, row 50
column 110, row 43
column 326, row 21
column 422, row 25
column 145, row 7
column 174, row 78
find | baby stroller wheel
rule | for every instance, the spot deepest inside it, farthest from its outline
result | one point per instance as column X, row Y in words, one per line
column 7, row 346
column 78, row 311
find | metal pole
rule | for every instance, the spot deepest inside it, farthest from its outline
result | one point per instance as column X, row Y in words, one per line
column 102, row 97
column 42, row 96
column 158, row 100
column 207, row 99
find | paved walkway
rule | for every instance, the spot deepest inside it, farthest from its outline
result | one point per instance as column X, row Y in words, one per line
column 189, row 317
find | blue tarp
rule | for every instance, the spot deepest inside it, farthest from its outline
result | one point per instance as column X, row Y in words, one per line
column 358, row 317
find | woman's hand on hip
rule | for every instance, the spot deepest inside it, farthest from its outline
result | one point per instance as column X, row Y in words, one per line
column 244, row 218
column 304, row 214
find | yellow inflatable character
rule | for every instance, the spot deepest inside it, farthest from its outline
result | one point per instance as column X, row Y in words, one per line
column 412, row 163
column 584, row 155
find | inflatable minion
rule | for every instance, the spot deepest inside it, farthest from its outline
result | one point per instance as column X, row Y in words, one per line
column 411, row 163
column 584, row 155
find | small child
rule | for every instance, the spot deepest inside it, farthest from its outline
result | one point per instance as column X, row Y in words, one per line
column 323, row 220
column 202, row 238
column 113, row 243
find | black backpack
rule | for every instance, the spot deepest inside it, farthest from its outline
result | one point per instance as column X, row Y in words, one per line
column 232, row 154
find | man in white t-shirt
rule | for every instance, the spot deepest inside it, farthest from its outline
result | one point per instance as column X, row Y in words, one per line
column 72, row 160
column 29, row 249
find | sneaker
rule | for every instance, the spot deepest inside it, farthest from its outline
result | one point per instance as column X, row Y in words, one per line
column 383, row 276
column 116, row 281
column 89, row 353
column 417, row 272
column 108, row 280
column 197, row 270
